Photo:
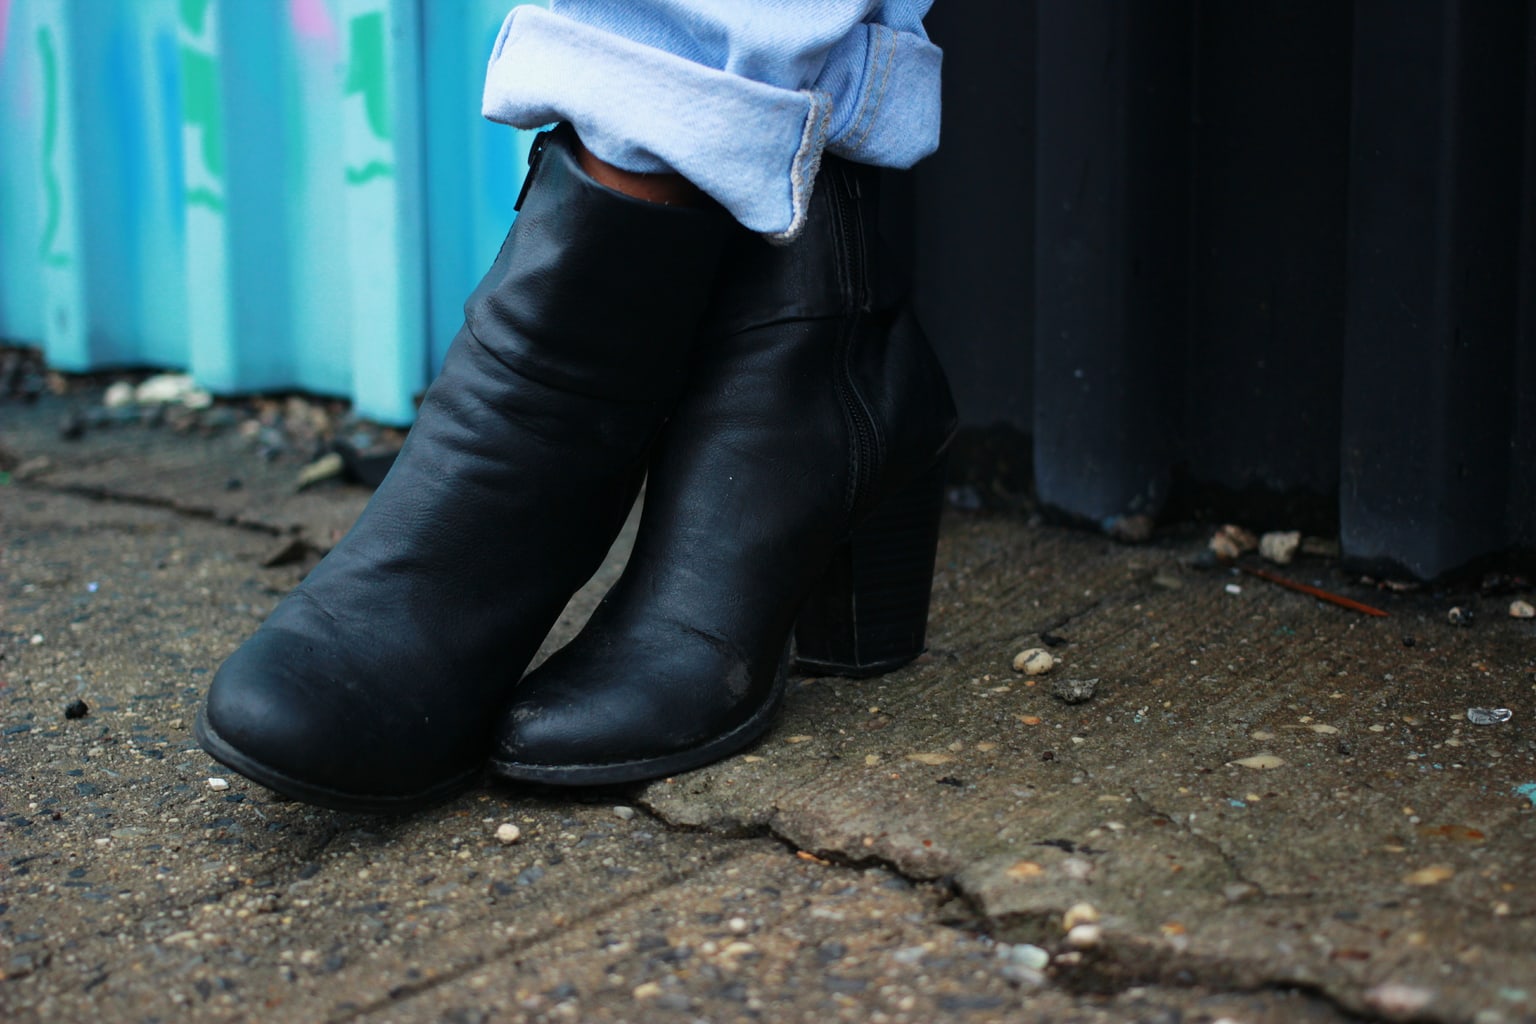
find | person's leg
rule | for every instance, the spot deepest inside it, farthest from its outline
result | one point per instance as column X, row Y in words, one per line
column 372, row 686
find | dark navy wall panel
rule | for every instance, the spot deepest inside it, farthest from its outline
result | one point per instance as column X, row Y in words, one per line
column 1281, row 264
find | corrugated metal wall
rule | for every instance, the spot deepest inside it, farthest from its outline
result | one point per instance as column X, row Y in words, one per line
column 1273, row 259
column 269, row 193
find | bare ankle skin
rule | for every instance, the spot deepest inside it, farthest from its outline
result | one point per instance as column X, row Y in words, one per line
column 666, row 189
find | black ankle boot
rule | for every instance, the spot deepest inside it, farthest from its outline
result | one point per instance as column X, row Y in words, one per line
column 373, row 686
column 800, row 475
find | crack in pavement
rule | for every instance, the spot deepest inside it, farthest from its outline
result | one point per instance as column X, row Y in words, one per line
column 107, row 496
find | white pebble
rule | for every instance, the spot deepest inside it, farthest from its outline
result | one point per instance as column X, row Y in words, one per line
column 217, row 784
column 1233, row 588
column 1085, row 936
column 1081, row 913
column 1035, row 661
column 118, row 395
column 1280, row 547
column 508, row 833
column 737, row 924
column 624, row 813
column 1521, row 610
column 37, row 638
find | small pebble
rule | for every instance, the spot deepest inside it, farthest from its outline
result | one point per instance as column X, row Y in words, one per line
column 1074, row 691
column 738, row 925
column 1280, row 546
column 508, row 833
column 1035, row 661
column 1460, row 616
column 1230, row 542
column 624, row 813
column 1260, row 761
column 217, row 784
column 76, row 708
column 1398, row 1000
column 1521, row 610
column 118, row 395
column 1489, row 716
column 37, row 638
column 1085, row 936
column 1233, row 588
column 1081, row 913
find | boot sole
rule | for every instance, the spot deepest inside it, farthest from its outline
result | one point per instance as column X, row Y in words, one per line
column 648, row 768
column 337, row 800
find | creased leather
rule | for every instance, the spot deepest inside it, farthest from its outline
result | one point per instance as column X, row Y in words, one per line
column 751, row 489
column 379, row 676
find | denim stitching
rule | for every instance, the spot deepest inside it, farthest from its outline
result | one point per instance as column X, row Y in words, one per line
column 885, row 78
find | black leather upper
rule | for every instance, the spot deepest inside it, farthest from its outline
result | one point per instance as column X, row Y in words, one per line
column 809, row 399
column 378, row 676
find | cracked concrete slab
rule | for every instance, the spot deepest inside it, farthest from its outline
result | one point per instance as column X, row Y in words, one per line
column 898, row 849
column 1385, row 861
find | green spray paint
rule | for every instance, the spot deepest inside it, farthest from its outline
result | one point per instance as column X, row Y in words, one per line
column 366, row 68
column 55, row 193
column 193, row 15
column 200, row 103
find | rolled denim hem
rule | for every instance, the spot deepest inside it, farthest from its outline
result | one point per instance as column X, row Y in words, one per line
column 895, row 120
column 753, row 148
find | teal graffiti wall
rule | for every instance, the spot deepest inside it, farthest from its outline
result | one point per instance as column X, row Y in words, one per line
column 269, row 194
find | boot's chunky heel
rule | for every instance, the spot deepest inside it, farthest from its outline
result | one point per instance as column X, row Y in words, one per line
column 807, row 436
column 869, row 614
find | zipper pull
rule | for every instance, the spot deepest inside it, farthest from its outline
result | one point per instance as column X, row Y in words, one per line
column 535, row 152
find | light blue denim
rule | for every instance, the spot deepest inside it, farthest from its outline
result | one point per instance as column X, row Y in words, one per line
column 739, row 96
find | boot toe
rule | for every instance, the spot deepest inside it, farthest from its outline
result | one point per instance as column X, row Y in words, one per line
column 587, row 717
column 287, row 714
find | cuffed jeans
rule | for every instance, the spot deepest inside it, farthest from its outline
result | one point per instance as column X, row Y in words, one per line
column 741, row 97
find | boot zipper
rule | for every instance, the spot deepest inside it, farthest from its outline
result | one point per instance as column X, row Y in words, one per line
column 851, row 239
column 535, row 152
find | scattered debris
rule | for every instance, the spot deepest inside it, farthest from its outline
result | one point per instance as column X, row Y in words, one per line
column 1079, row 913
column 1085, row 936
column 288, row 551
column 217, row 784
column 1522, row 610
column 1074, row 691
column 1489, row 716
column 171, row 389
column 1317, row 592
column 1231, row 542
column 368, row 468
column 1280, row 547
column 1133, row 529
column 324, row 468
column 1432, row 875
column 508, row 833
column 1263, row 762
column 1320, row 547
column 1034, row 661
column 76, row 708
column 1397, row 1000
column 1528, row 790
column 119, row 395
column 1460, row 616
